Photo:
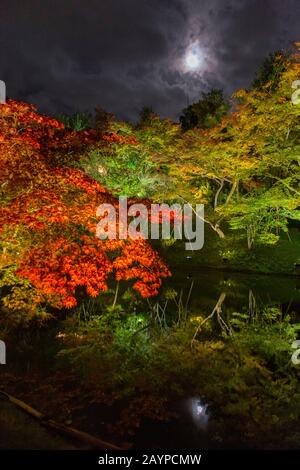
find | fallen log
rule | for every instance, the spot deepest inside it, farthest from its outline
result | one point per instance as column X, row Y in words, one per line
column 45, row 420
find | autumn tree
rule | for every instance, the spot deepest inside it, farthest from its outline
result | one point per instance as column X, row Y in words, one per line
column 246, row 168
column 206, row 112
column 50, row 251
column 271, row 70
column 146, row 116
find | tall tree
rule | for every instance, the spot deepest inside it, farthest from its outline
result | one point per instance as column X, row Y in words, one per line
column 246, row 168
column 271, row 70
column 206, row 112
column 146, row 116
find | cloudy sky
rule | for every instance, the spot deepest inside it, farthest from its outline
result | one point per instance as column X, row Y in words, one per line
column 69, row 55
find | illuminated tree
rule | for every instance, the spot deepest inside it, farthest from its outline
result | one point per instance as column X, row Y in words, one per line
column 50, row 251
column 206, row 112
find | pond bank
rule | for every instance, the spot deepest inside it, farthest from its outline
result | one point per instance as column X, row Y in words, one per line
column 19, row 431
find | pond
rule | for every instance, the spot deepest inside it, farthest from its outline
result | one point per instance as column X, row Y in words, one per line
column 201, row 289
column 264, row 289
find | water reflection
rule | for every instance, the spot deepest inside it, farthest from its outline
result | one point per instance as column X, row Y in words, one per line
column 244, row 291
column 199, row 412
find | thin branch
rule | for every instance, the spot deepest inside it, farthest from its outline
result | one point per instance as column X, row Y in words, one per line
column 217, row 309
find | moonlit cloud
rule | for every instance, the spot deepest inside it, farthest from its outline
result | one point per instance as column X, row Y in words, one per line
column 67, row 55
column 194, row 59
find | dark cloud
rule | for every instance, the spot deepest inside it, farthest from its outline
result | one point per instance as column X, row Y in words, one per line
column 67, row 55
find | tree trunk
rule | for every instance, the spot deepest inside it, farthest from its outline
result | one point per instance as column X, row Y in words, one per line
column 94, row 442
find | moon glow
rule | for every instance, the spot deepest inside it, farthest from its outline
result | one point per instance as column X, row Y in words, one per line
column 193, row 59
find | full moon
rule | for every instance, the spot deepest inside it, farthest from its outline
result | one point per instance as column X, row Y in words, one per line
column 194, row 58
column 192, row 61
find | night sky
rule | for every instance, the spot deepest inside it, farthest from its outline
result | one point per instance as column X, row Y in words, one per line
column 69, row 55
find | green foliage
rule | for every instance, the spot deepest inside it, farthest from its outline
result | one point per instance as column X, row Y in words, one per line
column 77, row 121
column 18, row 309
column 134, row 170
column 268, row 335
column 246, row 168
column 247, row 378
column 125, row 171
column 271, row 70
column 206, row 112
column 147, row 115
column 263, row 216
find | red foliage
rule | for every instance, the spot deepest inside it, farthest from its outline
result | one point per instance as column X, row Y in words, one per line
column 112, row 137
column 52, row 209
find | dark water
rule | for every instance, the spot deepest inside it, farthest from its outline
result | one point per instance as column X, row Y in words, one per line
column 207, row 285
column 190, row 429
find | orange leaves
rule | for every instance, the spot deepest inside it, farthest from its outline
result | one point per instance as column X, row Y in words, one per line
column 112, row 137
column 23, row 124
column 139, row 261
column 34, row 210
column 70, row 302
column 56, row 208
column 58, row 268
column 78, row 179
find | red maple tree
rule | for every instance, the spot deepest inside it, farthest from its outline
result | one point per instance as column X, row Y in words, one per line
column 49, row 213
